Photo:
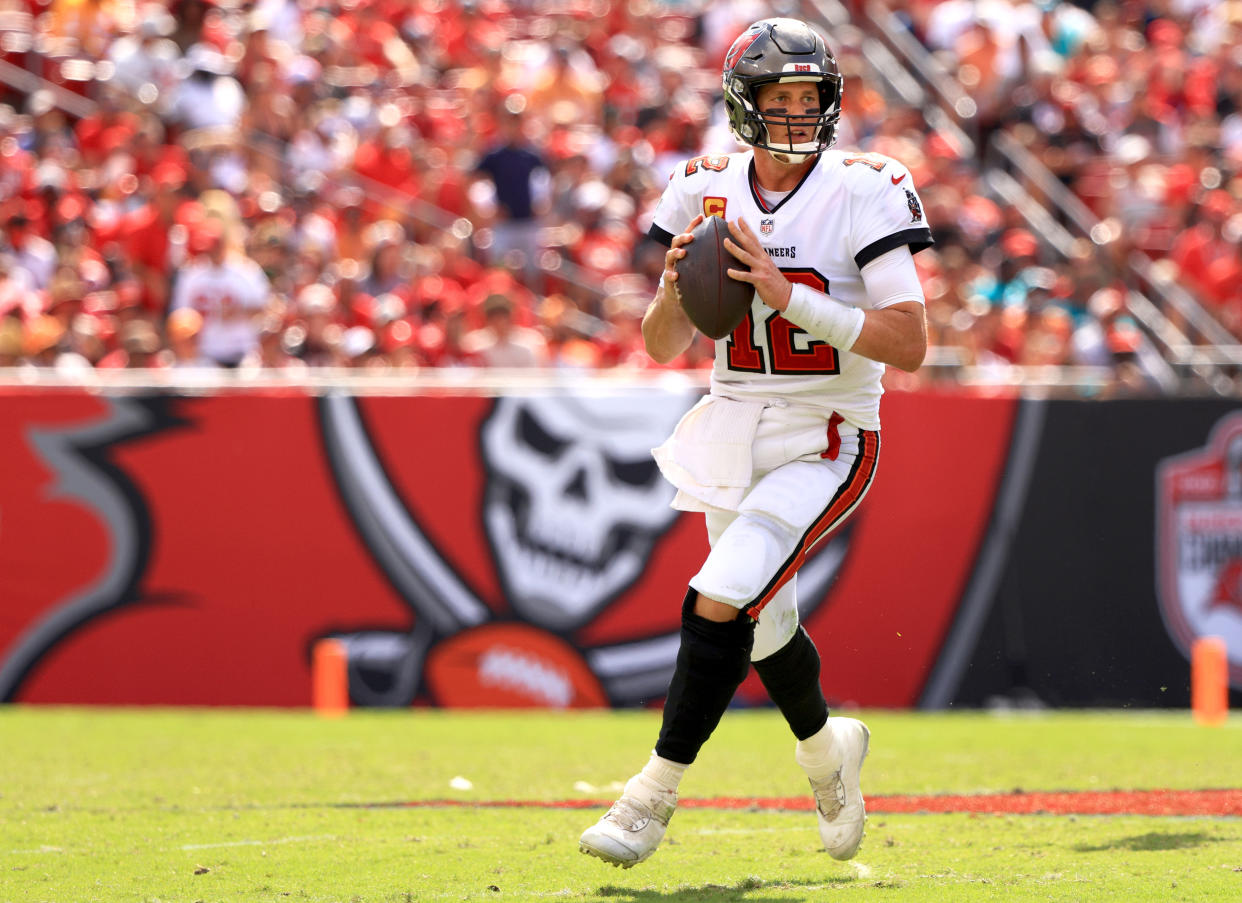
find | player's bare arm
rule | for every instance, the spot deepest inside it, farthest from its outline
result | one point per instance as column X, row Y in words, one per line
column 667, row 331
column 895, row 335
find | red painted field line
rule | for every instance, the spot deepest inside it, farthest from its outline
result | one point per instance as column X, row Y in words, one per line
column 1136, row 802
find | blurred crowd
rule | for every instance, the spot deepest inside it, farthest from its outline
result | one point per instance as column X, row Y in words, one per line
column 391, row 184
column 1135, row 107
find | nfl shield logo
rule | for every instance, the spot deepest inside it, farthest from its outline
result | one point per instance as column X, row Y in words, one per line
column 1199, row 543
column 766, row 225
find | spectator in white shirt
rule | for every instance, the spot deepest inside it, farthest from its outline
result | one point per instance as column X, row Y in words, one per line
column 503, row 343
column 228, row 289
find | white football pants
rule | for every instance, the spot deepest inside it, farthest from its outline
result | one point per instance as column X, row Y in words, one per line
column 757, row 550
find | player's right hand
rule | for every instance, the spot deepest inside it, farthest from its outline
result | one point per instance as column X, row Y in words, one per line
column 675, row 253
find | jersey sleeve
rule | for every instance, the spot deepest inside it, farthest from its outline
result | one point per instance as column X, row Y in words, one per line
column 887, row 212
column 677, row 207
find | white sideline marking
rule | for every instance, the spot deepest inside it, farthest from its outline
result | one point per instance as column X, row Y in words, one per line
column 257, row 843
column 42, row 849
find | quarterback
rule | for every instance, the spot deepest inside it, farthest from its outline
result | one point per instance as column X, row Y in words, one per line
column 786, row 443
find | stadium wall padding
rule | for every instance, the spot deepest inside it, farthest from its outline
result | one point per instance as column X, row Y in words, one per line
column 1129, row 546
column 169, row 549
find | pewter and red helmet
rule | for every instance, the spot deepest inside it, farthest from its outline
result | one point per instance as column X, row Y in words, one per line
column 780, row 50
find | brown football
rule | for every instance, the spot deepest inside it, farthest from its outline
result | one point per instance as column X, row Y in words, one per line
column 713, row 300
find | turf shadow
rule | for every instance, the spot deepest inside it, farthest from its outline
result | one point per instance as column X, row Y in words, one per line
column 1153, row 841
column 748, row 890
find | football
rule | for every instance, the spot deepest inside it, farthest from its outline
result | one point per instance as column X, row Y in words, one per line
column 714, row 301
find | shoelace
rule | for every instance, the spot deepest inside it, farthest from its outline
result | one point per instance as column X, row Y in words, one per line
column 629, row 814
column 830, row 795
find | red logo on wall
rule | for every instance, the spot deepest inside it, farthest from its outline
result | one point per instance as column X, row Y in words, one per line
column 469, row 550
column 573, row 509
column 1199, row 542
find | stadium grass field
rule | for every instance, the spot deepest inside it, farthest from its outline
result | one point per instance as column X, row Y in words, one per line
column 241, row 805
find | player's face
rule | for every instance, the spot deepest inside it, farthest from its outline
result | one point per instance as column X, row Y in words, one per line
column 790, row 111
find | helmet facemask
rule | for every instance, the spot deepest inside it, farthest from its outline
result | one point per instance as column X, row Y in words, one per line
column 821, row 121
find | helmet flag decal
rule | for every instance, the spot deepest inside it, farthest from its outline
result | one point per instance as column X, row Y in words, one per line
column 739, row 47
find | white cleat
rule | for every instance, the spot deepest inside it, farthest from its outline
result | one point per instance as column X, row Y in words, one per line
column 632, row 829
column 839, row 805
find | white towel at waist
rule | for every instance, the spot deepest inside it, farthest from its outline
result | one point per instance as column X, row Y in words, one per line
column 709, row 455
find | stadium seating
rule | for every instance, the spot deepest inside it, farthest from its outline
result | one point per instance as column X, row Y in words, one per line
column 337, row 157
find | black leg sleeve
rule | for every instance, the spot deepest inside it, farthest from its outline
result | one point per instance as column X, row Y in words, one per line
column 791, row 677
column 712, row 662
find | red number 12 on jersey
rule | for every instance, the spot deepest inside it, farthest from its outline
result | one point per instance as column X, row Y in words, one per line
column 789, row 357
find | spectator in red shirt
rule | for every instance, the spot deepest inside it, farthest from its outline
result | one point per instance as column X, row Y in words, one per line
column 386, row 159
column 148, row 234
column 1196, row 249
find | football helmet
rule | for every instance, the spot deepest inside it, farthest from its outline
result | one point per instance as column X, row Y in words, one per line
column 780, row 50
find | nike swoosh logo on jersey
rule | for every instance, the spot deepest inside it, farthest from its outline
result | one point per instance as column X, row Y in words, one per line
column 897, row 179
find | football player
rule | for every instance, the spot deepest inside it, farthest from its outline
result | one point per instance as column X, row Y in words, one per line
column 786, row 443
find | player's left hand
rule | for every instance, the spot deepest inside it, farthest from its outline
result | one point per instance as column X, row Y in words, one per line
column 764, row 275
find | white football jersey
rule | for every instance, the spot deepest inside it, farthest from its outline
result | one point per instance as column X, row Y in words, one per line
column 849, row 209
column 229, row 297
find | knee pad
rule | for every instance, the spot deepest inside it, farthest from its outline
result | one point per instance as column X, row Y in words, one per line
column 745, row 558
column 777, row 623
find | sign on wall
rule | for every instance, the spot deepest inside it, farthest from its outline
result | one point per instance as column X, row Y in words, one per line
column 516, row 551
column 1199, row 542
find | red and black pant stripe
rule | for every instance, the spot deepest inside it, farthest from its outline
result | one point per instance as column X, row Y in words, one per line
column 838, row 508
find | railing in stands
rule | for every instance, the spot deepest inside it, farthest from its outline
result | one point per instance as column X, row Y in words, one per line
column 920, row 80
column 1156, row 301
column 25, row 82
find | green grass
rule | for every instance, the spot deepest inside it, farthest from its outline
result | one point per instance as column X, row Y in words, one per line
column 226, row 805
